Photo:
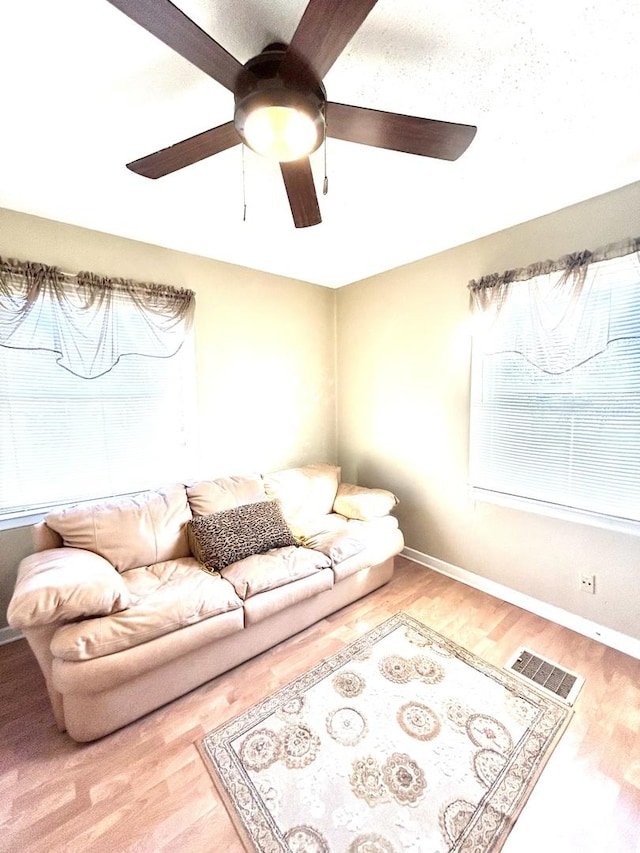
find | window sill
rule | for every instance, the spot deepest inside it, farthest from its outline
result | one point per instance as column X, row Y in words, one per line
column 31, row 516
column 11, row 523
column 564, row 513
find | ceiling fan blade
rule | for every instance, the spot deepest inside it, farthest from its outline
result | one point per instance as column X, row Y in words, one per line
column 424, row 136
column 298, row 181
column 174, row 28
column 188, row 151
column 326, row 27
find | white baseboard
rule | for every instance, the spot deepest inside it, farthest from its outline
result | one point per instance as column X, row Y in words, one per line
column 608, row 636
column 8, row 635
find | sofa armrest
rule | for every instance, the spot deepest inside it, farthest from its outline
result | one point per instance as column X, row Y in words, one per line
column 363, row 504
column 63, row 584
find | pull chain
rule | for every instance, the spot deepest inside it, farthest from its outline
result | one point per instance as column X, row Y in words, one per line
column 244, row 189
column 325, row 183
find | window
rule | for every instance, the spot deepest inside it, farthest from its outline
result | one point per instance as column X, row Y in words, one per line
column 555, row 399
column 68, row 438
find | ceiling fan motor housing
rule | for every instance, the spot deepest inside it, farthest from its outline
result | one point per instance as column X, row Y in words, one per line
column 261, row 86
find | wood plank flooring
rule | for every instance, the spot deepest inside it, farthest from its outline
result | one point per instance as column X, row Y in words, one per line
column 145, row 789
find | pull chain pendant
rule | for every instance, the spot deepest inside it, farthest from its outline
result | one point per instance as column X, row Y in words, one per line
column 244, row 189
column 325, row 183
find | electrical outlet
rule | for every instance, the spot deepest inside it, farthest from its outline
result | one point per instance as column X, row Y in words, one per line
column 588, row 583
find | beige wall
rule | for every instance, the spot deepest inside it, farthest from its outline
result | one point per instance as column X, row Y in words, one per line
column 403, row 405
column 265, row 372
column 265, row 353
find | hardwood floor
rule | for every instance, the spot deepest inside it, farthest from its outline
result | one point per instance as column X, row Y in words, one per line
column 145, row 788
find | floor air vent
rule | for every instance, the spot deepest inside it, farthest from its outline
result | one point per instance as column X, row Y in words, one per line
column 561, row 683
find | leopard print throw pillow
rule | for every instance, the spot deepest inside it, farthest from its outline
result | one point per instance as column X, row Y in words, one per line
column 222, row 538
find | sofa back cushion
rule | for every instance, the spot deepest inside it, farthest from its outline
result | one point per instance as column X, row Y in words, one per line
column 129, row 532
column 305, row 492
column 208, row 496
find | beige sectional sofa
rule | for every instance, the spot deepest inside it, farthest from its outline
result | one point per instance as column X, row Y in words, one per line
column 122, row 617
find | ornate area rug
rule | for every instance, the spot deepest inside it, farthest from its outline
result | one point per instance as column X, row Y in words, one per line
column 403, row 741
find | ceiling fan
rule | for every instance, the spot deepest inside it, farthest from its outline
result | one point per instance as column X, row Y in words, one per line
column 281, row 107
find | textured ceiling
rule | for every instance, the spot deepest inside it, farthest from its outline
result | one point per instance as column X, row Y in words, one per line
column 553, row 88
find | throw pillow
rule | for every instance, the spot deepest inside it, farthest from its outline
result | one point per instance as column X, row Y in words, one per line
column 222, row 538
column 363, row 504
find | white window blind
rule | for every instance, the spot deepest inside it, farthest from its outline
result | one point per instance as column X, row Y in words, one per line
column 66, row 439
column 562, row 427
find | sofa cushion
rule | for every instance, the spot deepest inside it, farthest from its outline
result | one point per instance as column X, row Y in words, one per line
column 139, row 530
column 338, row 545
column 63, row 584
column 304, row 528
column 208, row 496
column 273, row 569
column 363, row 504
column 222, row 538
column 272, row 602
column 164, row 598
column 383, row 540
column 305, row 492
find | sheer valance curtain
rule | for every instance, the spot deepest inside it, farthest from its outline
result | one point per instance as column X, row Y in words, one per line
column 90, row 321
column 97, row 387
column 555, row 396
column 556, row 313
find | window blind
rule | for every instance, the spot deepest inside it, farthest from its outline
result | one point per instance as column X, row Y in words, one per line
column 569, row 438
column 67, row 439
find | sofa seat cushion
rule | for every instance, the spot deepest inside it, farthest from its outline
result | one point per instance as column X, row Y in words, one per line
column 164, row 597
column 305, row 527
column 111, row 671
column 139, row 530
column 274, row 601
column 338, row 545
column 207, row 496
column 275, row 568
column 383, row 540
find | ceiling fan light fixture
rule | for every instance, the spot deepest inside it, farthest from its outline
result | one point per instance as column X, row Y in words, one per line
column 283, row 120
column 282, row 133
